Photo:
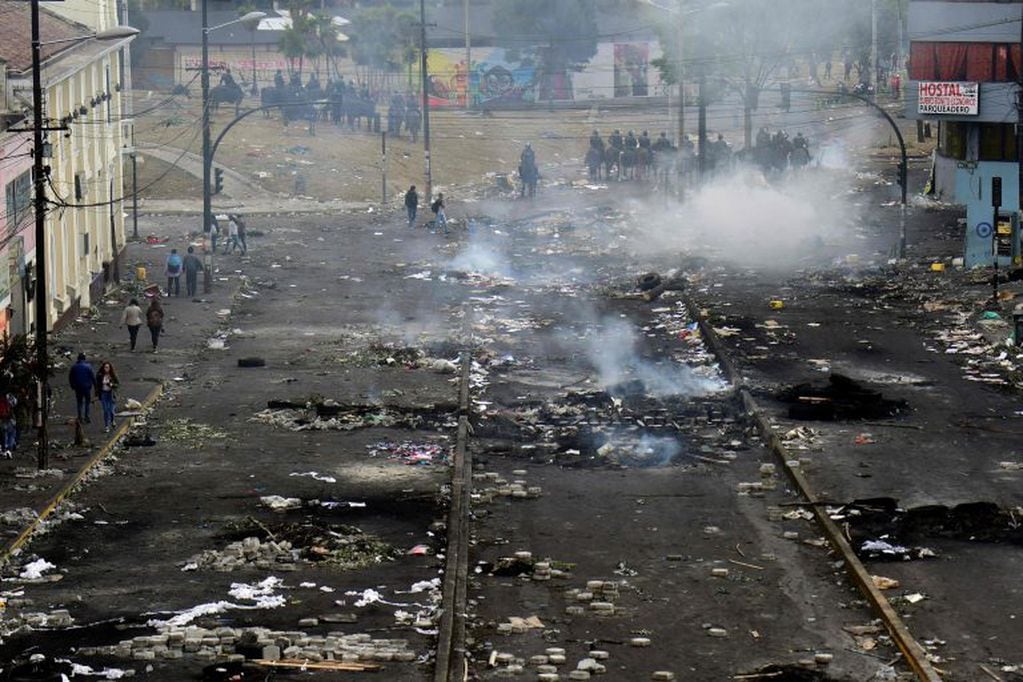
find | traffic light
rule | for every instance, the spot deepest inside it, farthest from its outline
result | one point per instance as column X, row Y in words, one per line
column 901, row 180
column 218, row 180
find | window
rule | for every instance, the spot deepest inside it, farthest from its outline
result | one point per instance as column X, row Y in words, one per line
column 997, row 142
column 952, row 140
column 980, row 62
column 19, row 199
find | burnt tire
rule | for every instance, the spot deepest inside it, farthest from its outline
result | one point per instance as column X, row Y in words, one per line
column 650, row 280
column 251, row 362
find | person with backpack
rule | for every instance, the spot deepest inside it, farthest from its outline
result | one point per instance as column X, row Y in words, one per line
column 82, row 379
column 154, row 320
column 438, row 209
column 9, row 423
column 174, row 273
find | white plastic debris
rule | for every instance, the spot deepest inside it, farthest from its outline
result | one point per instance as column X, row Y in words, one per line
column 316, row 476
column 278, row 503
column 34, row 570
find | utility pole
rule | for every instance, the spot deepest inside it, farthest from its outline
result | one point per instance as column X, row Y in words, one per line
column 134, row 195
column 702, row 132
column 468, row 56
column 1019, row 143
column 383, row 166
column 871, row 75
column 41, row 300
column 680, row 75
column 426, row 99
column 207, row 199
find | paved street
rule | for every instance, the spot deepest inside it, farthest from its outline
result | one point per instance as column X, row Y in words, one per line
column 288, row 494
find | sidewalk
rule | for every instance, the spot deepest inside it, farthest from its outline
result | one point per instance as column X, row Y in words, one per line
column 101, row 337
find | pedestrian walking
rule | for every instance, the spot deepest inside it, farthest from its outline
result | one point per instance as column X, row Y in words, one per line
column 132, row 319
column 241, row 234
column 9, row 423
column 438, row 209
column 82, row 379
column 232, row 235
column 106, row 383
column 411, row 205
column 214, row 233
column 191, row 265
column 154, row 320
column 174, row 273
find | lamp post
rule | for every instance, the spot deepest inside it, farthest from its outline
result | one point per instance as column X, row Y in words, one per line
column 251, row 19
column 39, row 173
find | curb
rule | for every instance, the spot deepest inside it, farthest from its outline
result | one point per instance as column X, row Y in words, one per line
column 451, row 654
column 12, row 548
column 915, row 655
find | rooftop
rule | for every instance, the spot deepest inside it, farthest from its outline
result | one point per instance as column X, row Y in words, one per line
column 16, row 29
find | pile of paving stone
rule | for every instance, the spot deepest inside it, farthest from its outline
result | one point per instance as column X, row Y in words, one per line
column 550, row 665
column 236, row 644
column 487, row 486
column 246, row 553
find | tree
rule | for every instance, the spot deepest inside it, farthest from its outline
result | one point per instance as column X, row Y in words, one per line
column 737, row 46
column 382, row 37
column 560, row 34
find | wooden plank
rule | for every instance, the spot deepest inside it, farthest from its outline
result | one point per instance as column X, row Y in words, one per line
column 318, row 665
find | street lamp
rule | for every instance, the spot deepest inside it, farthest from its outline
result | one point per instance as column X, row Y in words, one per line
column 249, row 19
column 39, row 180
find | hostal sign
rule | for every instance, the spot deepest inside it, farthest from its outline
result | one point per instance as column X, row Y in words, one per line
column 939, row 97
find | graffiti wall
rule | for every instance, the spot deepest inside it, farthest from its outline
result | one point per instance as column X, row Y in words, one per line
column 500, row 76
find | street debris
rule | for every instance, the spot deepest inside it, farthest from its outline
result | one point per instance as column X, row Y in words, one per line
column 410, row 452
column 842, row 398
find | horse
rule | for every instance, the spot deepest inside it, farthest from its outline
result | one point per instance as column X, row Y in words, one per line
column 298, row 107
column 594, row 160
column 627, row 166
column 612, row 161
column 271, row 97
column 530, row 175
column 665, row 163
column 644, row 160
column 358, row 108
column 799, row 157
column 231, row 94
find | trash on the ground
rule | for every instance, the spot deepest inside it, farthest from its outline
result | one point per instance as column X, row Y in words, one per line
column 409, row 452
column 34, row 570
column 278, row 503
column 883, row 583
column 315, row 476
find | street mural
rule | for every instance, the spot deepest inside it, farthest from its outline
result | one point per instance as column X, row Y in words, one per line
column 630, row 70
column 500, row 76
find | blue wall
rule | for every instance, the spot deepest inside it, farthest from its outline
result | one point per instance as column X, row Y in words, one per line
column 973, row 188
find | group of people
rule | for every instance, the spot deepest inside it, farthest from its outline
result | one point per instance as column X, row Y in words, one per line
column 403, row 112
column 777, row 152
column 88, row 384
column 436, row 207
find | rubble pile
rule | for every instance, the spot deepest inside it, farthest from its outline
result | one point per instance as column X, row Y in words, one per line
column 490, row 485
column 249, row 552
column 554, row 664
column 226, row 644
column 345, row 547
column 357, row 417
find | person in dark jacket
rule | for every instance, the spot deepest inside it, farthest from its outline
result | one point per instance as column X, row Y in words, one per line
column 154, row 320
column 411, row 204
column 82, row 379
